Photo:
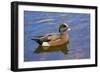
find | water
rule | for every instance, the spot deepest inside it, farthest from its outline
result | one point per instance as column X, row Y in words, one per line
column 40, row 23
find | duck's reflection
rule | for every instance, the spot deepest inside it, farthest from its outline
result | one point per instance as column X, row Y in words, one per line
column 43, row 49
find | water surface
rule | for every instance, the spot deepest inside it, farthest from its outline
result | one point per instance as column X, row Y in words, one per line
column 39, row 23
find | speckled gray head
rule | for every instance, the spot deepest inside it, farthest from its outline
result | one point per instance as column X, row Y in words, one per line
column 64, row 27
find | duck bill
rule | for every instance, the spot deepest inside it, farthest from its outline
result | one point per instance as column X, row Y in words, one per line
column 69, row 29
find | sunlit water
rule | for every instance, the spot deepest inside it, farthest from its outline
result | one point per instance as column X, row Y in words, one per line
column 40, row 23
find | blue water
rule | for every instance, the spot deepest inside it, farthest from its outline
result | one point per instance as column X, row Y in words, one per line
column 40, row 23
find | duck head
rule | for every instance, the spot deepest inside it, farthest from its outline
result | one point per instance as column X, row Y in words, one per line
column 63, row 27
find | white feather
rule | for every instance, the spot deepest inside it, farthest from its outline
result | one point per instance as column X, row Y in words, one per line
column 45, row 44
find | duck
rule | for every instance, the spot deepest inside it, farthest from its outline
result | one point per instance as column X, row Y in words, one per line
column 54, row 39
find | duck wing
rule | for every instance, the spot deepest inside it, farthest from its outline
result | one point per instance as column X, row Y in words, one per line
column 46, row 38
column 40, row 39
column 54, row 37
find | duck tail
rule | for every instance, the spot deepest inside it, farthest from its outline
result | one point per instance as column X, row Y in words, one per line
column 37, row 40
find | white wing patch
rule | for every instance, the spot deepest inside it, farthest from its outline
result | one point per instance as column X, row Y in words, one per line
column 45, row 44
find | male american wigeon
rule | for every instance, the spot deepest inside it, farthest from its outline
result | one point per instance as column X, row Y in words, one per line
column 54, row 39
